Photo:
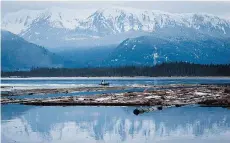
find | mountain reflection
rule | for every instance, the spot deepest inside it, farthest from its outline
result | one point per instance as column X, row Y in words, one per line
column 113, row 124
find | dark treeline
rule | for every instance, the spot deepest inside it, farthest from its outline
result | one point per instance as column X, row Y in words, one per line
column 164, row 69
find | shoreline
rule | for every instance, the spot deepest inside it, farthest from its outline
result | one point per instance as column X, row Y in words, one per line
column 114, row 77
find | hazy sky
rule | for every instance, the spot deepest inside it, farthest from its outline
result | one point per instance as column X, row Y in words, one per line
column 216, row 8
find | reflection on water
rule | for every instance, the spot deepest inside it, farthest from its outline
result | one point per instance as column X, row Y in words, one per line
column 113, row 124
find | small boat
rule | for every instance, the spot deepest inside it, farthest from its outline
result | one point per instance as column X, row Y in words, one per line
column 103, row 83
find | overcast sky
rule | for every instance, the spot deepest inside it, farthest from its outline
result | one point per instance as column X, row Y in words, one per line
column 216, row 8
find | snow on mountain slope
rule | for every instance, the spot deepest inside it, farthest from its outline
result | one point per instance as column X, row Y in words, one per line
column 151, row 50
column 77, row 26
column 20, row 21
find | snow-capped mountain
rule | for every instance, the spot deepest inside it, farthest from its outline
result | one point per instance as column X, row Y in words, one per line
column 104, row 26
column 150, row 50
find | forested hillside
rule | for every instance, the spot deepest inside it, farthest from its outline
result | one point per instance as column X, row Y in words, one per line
column 165, row 69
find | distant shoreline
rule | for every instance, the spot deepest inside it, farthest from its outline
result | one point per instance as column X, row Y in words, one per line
column 118, row 77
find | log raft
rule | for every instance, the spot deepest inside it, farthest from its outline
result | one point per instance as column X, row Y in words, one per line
column 205, row 95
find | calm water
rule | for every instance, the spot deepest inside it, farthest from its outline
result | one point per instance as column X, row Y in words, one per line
column 116, row 81
column 27, row 124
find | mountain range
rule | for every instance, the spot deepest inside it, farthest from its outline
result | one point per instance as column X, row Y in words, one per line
column 59, row 37
column 151, row 50
column 97, row 27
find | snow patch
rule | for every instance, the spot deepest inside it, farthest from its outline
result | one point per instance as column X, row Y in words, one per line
column 133, row 47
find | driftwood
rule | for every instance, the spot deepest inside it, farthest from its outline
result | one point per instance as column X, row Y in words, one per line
column 141, row 110
column 138, row 111
column 156, row 99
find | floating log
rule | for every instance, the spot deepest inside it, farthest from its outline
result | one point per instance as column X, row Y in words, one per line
column 138, row 111
column 59, row 103
column 224, row 102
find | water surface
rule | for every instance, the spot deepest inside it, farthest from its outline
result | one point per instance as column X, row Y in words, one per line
column 37, row 124
column 114, row 81
column 26, row 124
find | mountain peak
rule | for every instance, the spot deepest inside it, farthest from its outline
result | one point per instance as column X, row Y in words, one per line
column 78, row 25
